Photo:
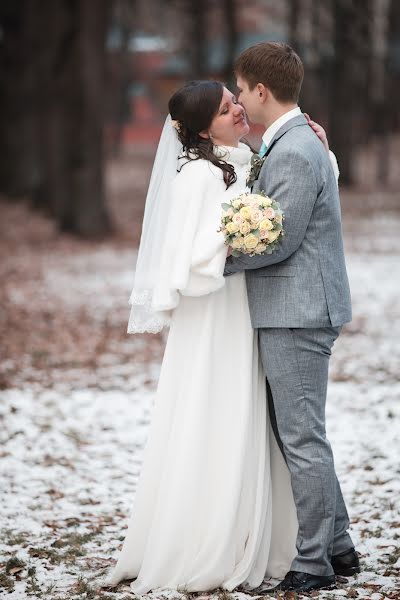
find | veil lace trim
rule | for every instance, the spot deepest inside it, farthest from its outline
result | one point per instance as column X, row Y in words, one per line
column 143, row 318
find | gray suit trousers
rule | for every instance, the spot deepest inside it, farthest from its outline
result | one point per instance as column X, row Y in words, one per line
column 296, row 363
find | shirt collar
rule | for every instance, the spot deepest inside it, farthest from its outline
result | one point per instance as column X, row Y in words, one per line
column 276, row 125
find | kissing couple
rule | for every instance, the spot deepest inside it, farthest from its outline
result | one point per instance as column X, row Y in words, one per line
column 238, row 483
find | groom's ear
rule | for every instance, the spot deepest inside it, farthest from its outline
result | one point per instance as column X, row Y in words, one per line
column 262, row 92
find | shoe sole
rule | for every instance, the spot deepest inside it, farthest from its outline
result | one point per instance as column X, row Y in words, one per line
column 348, row 572
column 333, row 586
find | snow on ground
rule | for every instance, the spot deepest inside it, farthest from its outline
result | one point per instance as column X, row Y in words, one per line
column 71, row 452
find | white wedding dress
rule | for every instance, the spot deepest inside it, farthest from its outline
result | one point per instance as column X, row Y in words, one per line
column 214, row 505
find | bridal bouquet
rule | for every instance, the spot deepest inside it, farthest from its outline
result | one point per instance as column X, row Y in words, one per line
column 252, row 224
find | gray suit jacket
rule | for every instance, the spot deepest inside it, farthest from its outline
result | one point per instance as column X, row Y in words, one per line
column 303, row 283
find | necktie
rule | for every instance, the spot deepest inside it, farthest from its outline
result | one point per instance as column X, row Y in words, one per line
column 263, row 149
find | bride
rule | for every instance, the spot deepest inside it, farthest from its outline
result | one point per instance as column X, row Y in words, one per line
column 214, row 505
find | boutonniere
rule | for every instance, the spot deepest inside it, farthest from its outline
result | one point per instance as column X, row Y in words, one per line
column 256, row 163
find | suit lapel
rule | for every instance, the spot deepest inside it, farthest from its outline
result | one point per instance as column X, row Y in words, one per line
column 298, row 121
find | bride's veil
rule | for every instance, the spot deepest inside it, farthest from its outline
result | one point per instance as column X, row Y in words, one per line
column 142, row 317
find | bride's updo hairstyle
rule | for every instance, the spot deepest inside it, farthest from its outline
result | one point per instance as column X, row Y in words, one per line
column 193, row 107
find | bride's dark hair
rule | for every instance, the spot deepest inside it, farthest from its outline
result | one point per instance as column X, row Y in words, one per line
column 194, row 106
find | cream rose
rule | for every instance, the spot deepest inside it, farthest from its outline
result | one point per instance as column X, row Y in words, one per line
column 237, row 243
column 245, row 228
column 273, row 235
column 250, row 241
column 260, row 248
column 236, row 203
column 232, row 228
column 266, row 224
column 266, row 201
column 245, row 213
column 237, row 219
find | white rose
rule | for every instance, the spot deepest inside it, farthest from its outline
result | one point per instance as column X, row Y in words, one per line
column 266, row 224
column 260, row 248
column 232, row 228
column 245, row 228
column 237, row 243
column 273, row 235
column 266, row 201
column 250, row 241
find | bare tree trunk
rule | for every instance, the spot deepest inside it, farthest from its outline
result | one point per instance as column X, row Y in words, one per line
column 387, row 120
column 294, row 15
column 351, row 66
column 365, row 17
column 85, row 212
column 230, row 19
column 393, row 66
column 51, row 140
column 53, row 191
column 341, row 109
column 18, row 165
column 313, row 86
column 125, row 11
column 197, row 37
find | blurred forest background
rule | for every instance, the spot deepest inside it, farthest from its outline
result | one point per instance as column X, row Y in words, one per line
column 83, row 81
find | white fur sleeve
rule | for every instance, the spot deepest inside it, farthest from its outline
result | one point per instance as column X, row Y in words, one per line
column 335, row 165
column 190, row 264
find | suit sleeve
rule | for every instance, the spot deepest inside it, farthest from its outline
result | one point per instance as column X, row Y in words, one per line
column 290, row 179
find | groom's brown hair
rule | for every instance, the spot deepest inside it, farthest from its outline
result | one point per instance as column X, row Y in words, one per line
column 275, row 65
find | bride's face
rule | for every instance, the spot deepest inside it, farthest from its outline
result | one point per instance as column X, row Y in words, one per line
column 230, row 124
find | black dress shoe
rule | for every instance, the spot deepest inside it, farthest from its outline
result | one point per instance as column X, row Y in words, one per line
column 304, row 582
column 346, row 563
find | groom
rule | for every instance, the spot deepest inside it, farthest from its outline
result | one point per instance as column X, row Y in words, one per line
column 299, row 299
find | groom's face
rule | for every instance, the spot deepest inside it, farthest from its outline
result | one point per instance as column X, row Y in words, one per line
column 249, row 99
